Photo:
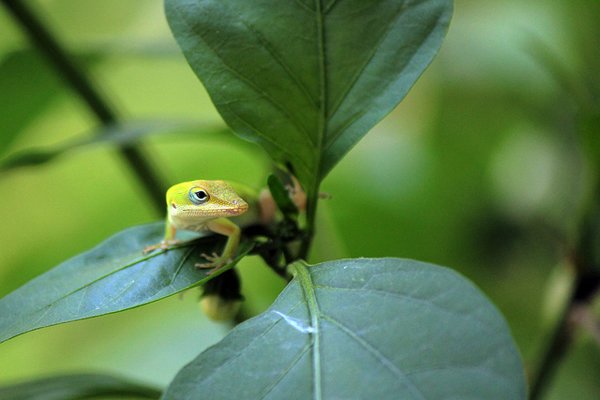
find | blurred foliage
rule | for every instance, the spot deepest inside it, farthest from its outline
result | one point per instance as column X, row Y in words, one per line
column 78, row 386
column 480, row 169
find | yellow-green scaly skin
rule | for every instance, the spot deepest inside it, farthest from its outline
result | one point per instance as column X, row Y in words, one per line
column 226, row 207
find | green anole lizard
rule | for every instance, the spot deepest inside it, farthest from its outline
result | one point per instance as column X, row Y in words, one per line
column 221, row 207
column 224, row 208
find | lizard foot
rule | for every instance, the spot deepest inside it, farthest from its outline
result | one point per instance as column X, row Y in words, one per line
column 163, row 245
column 215, row 262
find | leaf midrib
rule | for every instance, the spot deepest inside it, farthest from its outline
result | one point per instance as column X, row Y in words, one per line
column 85, row 286
column 314, row 312
column 322, row 112
column 359, row 73
column 184, row 17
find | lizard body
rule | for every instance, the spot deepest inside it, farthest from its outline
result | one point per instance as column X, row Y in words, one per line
column 218, row 206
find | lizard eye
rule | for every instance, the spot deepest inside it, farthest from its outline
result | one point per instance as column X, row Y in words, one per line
column 198, row 196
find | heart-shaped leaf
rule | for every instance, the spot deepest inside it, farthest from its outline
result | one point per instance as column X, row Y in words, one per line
column 112, row 277
column 364, row 329
column 307, row 78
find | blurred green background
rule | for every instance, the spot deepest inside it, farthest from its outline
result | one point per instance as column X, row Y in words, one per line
column 478, row 169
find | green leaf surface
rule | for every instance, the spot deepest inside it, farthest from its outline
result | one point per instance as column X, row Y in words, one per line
column 27, row 86
column 113, row 276
column 307, row 79
column 78, row 386
column 364, row 329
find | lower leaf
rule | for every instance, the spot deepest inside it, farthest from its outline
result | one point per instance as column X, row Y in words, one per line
column 364, row 329
column 112, row 277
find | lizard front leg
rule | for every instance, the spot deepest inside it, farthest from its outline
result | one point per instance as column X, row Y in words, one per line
column 225, row 227
column 168, row 241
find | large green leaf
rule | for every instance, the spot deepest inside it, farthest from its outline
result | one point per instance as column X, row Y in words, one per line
column 307, row 78
column 79, row 386
column 112, row 277
column 364, row 329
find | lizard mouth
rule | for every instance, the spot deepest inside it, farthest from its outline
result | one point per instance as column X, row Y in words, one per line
column 238, row 210
column 233, row 211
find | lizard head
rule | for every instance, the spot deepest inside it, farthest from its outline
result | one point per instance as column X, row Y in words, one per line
column 204, row 199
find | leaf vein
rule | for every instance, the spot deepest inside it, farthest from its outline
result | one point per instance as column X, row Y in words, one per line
column 417, row 300
column 180, row 266
column 303, row 5
column 301, row 161
column 120, row 294
column 347, row 124
column 329, row 6
column 286, row 113
column 337, row 134
column 47, row 309
column 84, row 287
column 239, row 354
column 366, row 63
column 286, row 371
column 382, row 358
column 480, row 367
column 271, row 50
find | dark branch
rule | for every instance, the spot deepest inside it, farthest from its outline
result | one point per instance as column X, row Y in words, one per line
column 75, row 77
column 586, row 286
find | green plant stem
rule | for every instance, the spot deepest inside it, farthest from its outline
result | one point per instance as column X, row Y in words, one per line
column 59, row 59
column 313, row 191
column 309, row 231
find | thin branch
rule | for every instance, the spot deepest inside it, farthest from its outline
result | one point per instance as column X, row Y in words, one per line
column 76, row 78
column 586, row 287
column 585, row 318
column 554, row 352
